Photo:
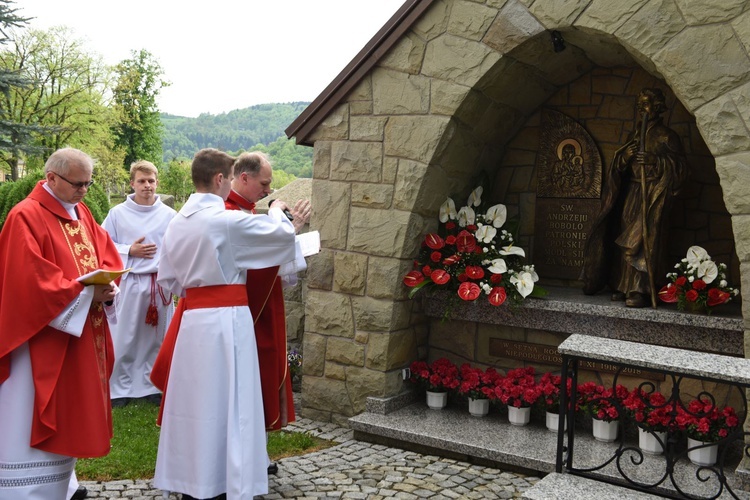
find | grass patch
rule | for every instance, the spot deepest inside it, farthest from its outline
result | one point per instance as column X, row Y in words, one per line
column 136, row 439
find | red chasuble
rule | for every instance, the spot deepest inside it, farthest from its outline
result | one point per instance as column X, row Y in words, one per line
column 266, row 298
column 42, row 252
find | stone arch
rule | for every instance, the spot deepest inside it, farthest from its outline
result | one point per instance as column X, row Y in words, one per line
column 470, row 73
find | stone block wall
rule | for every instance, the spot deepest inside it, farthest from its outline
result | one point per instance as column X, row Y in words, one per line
column 442, row 107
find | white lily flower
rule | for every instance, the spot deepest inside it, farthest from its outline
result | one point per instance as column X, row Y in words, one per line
column 498, row 267
column 497, row 214
column 707, row 271
column 512, row 250
column 486, row 234
column 447, row 211
column 466, row 216
column 475, row 198
column 524, row 283
column 696, row 255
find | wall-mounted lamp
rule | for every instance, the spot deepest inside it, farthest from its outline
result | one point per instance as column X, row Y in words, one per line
column 558, row 44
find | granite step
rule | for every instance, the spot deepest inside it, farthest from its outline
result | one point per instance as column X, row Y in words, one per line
column 406, row 422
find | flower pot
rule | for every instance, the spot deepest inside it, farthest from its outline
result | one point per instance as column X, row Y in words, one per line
column 519, row 416
column 604, row 431
column 479, row 407
column 553, row 421
column 648, row 443
column 437, row 400
column 704, row 455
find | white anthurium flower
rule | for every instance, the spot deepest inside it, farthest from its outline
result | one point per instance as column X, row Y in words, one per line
column 475, row 198
column 707, row 271
column 466, row 216
column 497, row 214
column 498, row 267
column 512, row 250
column 486, row 234
column 447, row 211
column 524, row 283
column 696, row 255
column 532, row 272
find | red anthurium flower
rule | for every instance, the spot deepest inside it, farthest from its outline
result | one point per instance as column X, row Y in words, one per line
column 427, row 270
column 471, row 227
column 680, row 281
column 450, row 240
column 436, row 256
column 413, row 278
column 434, row 241
column 475, row 272
column 691, row 295
column 462, row 277
column 449, row 261
column 497, row 296
column 716, row 297
column 440, row 277
column 465, row 242
column 699, row 284
column 668, row 294
column 496, row 278
column 469, row 291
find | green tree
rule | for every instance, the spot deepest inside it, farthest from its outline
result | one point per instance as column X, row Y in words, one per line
column 139, row 129
column 65, row 105
column 176, row 180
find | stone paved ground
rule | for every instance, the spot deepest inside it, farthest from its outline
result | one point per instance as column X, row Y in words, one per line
column 359, row 470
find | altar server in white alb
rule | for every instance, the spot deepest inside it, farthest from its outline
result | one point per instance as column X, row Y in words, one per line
column 212, row 439
column 137, row 227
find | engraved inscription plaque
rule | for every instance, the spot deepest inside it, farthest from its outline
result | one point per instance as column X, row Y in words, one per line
column 560, row 231
column 548, row 355
column 569, row 184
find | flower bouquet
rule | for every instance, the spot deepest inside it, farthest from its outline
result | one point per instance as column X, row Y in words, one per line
column 438, row 376
column 703, row 421
column 476, row 383
column 699, row 283
column 518, row 388
column 473, row 254
column 602, row 403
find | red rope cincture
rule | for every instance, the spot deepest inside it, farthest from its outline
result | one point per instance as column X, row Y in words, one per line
column 152, row 314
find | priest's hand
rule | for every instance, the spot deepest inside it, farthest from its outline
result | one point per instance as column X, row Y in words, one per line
column 104, row 293
column 143, row 250
column 301, row 212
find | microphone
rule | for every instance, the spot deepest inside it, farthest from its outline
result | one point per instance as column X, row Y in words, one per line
column 286, row 211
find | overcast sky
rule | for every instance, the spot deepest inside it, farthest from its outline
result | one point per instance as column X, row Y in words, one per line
column 222, row 55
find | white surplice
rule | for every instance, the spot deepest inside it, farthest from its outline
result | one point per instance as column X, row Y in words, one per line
column 212, row 438
column 137, row 343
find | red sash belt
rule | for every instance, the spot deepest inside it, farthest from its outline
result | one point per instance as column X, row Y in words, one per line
column 202, row 297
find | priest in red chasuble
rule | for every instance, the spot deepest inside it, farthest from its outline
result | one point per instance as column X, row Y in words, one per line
column 55, row 346
column 252, row 181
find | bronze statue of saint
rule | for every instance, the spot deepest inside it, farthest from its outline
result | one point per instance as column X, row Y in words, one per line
column 625, row 248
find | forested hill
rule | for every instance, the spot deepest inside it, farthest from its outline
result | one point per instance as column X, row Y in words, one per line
column 241, row 129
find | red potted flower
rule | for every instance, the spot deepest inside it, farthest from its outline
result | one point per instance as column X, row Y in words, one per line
column 437, row 378
column 519, row 391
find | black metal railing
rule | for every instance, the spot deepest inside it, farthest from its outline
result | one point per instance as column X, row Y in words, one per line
column 670, row 473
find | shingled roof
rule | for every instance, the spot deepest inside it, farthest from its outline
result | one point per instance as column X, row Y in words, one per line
column 350, row 76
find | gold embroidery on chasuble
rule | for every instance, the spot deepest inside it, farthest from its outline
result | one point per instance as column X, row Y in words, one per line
column 84, row 256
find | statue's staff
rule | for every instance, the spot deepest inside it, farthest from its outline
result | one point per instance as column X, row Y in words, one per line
column 644, row 207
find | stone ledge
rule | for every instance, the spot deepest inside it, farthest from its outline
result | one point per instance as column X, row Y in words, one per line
column 568, row 310
column 570, row 487
column 697, row 364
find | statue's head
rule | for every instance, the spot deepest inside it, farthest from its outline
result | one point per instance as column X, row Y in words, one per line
column 656, row 98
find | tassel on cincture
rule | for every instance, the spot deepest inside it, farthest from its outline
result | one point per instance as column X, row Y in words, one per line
column 152, row 315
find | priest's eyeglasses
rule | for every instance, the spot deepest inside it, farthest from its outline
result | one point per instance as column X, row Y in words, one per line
column 77, row 185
